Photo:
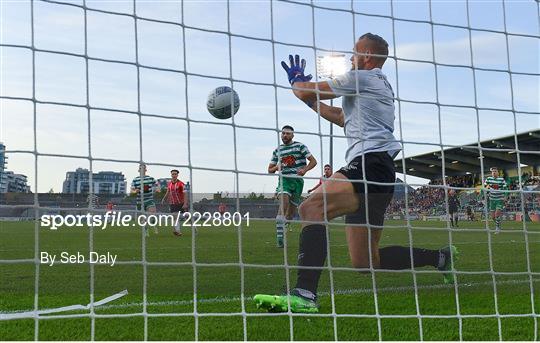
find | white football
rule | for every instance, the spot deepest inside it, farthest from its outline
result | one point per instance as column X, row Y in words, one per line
column 223, row 102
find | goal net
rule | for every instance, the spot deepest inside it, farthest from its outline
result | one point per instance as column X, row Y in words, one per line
column 91, row 90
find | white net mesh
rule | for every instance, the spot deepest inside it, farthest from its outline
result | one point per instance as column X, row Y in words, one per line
column 114, row 84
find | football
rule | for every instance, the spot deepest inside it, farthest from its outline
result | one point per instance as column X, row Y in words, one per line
column 223, row 102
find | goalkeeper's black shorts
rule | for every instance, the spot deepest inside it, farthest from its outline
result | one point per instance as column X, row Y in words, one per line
column 379, row 167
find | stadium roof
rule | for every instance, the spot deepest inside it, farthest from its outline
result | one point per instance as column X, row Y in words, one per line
column 498, row 152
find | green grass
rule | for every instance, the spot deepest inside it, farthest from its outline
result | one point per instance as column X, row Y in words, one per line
column 170, row 289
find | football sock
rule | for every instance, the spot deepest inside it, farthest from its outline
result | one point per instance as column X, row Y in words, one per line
column 145, row 229
column 280, row 225
column 397, row 257
column 312, row 252
column 498, row 221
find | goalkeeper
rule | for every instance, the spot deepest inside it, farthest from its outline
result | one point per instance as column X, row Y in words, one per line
column 368, row 119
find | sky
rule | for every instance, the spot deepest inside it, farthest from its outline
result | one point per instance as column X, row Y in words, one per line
column 177, row 131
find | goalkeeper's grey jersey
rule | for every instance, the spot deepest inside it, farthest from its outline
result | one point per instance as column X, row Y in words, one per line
column 368, row 107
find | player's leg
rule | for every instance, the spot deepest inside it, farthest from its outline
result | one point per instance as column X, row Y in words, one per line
column 340, row 199
column 297, row 188
column 364, row 239
column 290, row 215
column 491, row 210
column 151, row 208
column 494, row 218
column 284, row 198
column 357, row 240
column 337, row 198
column 176, row 211
column 394, row 257
column 142, row 213
column 456, row 218
column 498, row 216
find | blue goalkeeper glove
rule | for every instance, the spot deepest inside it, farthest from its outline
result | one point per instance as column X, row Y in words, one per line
column 295, row 72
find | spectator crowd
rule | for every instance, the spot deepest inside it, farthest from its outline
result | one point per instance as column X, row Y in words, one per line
column 429, row 200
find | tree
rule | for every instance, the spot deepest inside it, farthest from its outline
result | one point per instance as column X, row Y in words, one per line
column 252, row 196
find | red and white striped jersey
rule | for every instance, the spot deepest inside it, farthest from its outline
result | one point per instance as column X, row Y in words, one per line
column 176, row 192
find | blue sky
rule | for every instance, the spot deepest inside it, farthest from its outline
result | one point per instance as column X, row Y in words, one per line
column 115, row 134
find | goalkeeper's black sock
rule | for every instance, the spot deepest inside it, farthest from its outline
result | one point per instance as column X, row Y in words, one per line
column 396, row 257
column 312, row 252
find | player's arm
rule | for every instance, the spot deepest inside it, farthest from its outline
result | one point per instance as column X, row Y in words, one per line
column 185, row 207
column 314, row 188
column 485, row 190
column 307, row 91
column 134, row 189
column 272, row 168
column 156, row 186
column 274, row 163
column 505, row 187
column 165, row 197
column 330, row 113
column 311, row 93
column 312, row 163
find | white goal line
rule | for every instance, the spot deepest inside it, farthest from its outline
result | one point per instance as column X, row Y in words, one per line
column 18, row 314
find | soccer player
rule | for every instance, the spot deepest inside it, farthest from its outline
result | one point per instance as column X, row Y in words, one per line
column 222, row 208
column 110, row 208
column 368, row 119
column 177, row 198
column 453, row 207
column 327, row 174
column 470, row 214
column 93, row 201
column 144, row 188
column 289, row 158
column 494, row 184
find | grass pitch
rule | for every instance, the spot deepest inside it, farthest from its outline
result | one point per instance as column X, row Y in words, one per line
column 487, row 308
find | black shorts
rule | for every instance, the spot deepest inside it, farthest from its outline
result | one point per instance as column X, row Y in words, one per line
column 173, row 208
column 379, row 167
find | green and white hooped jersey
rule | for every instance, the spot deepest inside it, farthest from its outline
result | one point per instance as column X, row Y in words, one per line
column 292, row 157
column 147, row 191
column 495, row 184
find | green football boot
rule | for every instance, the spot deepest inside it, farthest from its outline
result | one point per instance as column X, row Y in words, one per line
column 450, row 252
column 278, row 303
